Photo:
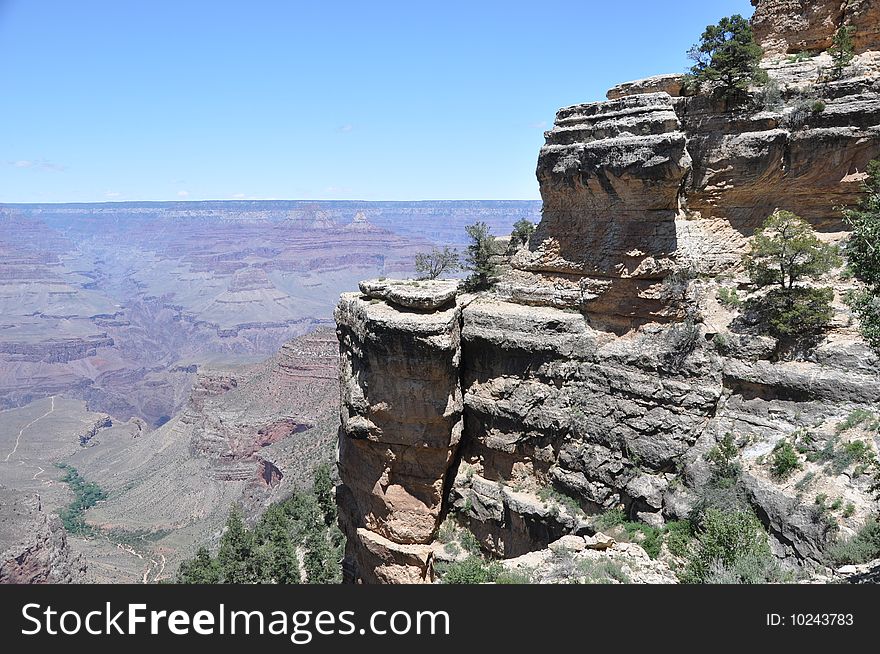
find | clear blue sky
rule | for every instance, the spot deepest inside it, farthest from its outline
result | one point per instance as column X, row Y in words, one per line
column 196, row 99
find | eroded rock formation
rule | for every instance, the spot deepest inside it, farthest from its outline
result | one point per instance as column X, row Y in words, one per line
column 580, row 374
column 790, row 26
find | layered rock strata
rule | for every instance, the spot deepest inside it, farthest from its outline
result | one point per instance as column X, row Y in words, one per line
column 401, row 421
column 591, row 378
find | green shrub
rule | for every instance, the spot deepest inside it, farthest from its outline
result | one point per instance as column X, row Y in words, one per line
column 795, row 313
column 855, row 418
column 854, row 452
column 600, row 571
column 522, row 231
column 472, row 570
column 729, row 297
column 518, row 577
column 550, row 494
column 722, row 458
column 817, row 107
column 679, row 535
column 769, row 97
column 733, row 542
column 861, row 548
column 784, row 461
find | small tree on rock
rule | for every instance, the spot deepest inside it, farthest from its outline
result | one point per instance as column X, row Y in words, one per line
column 430, row 265
column 522, row 231
column 784, row 252
column 843, row 50
column 863, row 256
column 479, row 257
column 727, row 58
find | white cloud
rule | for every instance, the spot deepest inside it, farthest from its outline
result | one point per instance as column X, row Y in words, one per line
column 112, row 195
column 183, row 194
column 541, row 124
column 38, row 164
column 345, row 129
column 238, row 196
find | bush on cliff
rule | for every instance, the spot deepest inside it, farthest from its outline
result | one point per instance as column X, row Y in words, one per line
column 430, row 265
column 726, row 59
column 861, row 548
column 729, row 547
column 522, row 231
column 863, row 255
column 478, row 259
column 843, row 50
column 785, row 252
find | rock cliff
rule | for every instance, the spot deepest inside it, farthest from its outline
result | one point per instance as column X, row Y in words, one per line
column 584, row 381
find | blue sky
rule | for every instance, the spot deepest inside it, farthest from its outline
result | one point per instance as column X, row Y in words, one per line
column 109, row 100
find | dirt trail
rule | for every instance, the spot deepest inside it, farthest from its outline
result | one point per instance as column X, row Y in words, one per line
column 30, row 424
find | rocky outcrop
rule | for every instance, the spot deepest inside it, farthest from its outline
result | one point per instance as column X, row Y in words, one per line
column 401, row 421
column 789, row 26
column 33, row 544
column 610, row 175
column 591, row 378
column 671, row 83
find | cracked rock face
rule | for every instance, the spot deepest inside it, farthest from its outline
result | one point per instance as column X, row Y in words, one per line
column 787, row 26
column 33, row 545
column 401, row 421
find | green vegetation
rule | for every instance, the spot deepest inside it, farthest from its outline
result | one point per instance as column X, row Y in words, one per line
column 729, row 547
column 479, row 257
column 722, row 458
column 650, row 538
column 472, row 570
column 430, row 265
column 729, row 297
column 769, row 97
column 522, row 231
column 863, row 255
column 550, row 494
column 601, row 571
column 784, row 461
column 818, row 106
column 270, row 552
column 784, row 252
column 861, row 548
column 85, row 495
column 856, row 418
column 842, row 50
column 519, row 577
column 799, row 57
column 726, row 59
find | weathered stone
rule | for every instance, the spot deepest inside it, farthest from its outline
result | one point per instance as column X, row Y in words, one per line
column 671, row 84
column 424, row 295
column 783, row 26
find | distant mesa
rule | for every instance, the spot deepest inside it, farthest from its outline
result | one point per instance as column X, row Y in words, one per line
column 361, row 224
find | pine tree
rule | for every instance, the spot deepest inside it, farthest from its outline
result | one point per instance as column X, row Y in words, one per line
column 479, row 257
column 786, row 251
column 727, row 58
column 863, row 256
column 325, row 492
column 202, row 569
column 843, row 50
column 236, row 549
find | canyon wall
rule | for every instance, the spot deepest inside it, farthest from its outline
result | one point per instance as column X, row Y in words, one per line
column 588, row 371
